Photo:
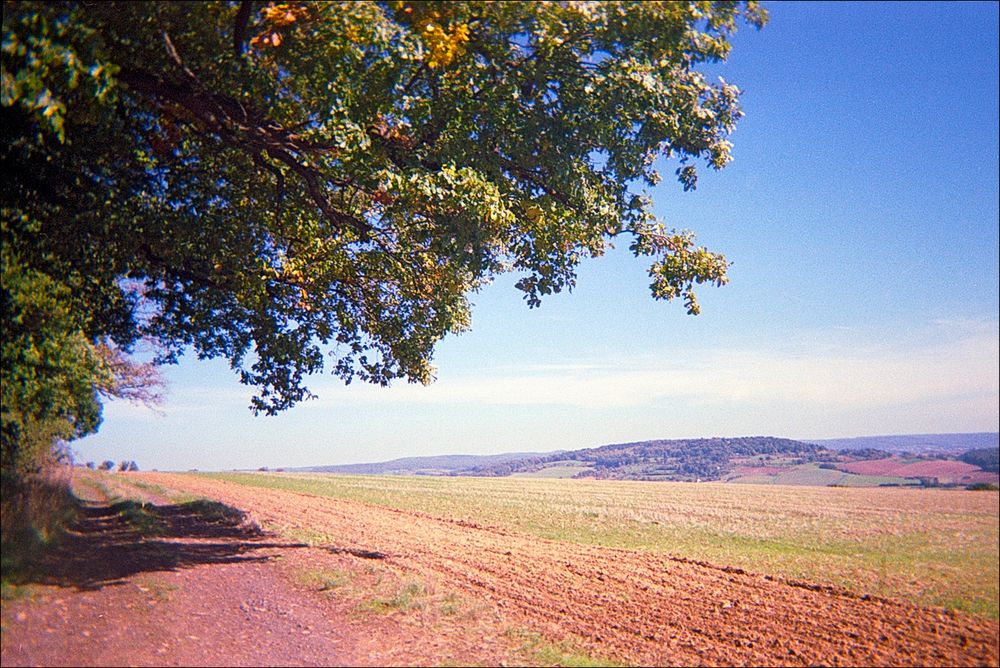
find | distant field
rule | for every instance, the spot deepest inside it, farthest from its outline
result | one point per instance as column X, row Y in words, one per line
column 811, row 474
column 930, row 546
column 555, row 470
column 943, row 470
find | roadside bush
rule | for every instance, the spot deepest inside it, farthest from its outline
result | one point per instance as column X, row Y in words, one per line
column 982, row 487
column 35, row 510
column 50, row 371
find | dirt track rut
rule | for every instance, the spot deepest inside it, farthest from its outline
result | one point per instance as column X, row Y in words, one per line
column 636, row 607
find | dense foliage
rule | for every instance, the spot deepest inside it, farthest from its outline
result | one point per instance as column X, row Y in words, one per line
column 987, row 459
column 266, row 182
column 49, row 368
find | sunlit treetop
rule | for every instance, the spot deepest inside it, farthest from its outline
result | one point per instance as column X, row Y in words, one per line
column 269, row 182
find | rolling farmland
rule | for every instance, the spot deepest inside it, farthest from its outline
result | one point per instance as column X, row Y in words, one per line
column 932, row 547
column 671, row 573
column 541, row 571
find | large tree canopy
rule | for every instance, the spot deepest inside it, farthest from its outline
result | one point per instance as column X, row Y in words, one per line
column 270, row 183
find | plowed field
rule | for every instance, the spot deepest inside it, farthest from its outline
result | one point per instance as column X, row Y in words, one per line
column 634, row 607
column 894, row 467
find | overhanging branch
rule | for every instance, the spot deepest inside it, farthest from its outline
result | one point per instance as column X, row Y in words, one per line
column 245, row 130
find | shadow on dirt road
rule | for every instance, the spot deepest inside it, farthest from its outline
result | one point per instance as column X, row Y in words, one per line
column 109, row 543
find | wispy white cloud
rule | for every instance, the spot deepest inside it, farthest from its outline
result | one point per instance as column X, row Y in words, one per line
column 954, row 363
column 957, row 327
column 829, row 376
column 126, row 410
column 180, row 401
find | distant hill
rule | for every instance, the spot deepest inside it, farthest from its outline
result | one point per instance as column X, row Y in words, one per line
column 926, row 459
column 432, row 465
column 950, row 444
column 682, row 459
column 923, row 460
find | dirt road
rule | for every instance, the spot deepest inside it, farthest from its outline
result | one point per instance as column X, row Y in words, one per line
column 188, row 585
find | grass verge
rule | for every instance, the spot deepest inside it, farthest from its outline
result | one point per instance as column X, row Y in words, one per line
column 540, row 652
column 139, row 516
column 36, row 511
column 409, row 596
column 324, row 579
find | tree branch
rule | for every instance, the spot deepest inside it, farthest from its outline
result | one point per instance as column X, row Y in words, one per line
column 279, row 186
column 245, row 130
column 240, row 26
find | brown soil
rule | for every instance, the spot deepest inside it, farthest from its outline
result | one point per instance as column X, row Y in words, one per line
column 195, row 589
column 633, row 607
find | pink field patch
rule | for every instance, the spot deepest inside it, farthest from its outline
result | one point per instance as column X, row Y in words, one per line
column 980, row 476
column 936, row 469
column 944, row 470
column 873, row 467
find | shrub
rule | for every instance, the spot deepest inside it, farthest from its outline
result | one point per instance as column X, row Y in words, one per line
column 982, row 487
column 49, row 368
column 35, row 511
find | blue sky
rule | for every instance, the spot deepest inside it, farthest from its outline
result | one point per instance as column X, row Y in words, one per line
column 861, row 217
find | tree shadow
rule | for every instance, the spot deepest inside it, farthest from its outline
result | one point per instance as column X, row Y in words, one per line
column 109, row 543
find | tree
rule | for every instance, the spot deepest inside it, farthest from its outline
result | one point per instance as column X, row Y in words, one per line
column 53, row 375
column 106, row 465
column 268, row 182
column 987, row 459
column 49, row 370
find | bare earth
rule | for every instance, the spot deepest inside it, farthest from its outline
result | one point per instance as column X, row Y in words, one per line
column 220, row 594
